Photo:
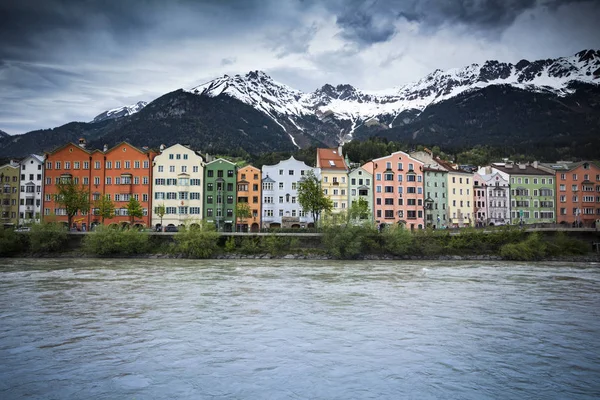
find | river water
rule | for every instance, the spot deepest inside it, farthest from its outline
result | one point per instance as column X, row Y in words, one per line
column 289, row 329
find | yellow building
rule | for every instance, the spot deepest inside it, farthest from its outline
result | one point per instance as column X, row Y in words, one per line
column 334, row 177
column 9, row 200
column 460, row 198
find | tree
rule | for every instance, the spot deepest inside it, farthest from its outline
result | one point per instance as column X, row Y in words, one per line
column 359, row 209
column 104, row 208
column 72, row 197
column 161, row 210
column 311, row 197
column 242, row 210
column 134, row 209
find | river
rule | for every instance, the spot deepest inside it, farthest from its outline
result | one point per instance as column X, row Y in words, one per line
column 289, row 329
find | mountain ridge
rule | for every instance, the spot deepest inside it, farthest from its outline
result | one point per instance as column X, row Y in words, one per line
column 476, row 104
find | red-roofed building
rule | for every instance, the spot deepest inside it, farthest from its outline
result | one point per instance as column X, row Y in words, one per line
column 334, row 177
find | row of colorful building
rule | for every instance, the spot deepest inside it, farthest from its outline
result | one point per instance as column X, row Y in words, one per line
column 416, row 189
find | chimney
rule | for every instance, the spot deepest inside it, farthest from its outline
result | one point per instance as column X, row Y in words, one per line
column 488, row 170
column 82, row 143
column 535, row 164
column 522, row 166
column 105, row 148
column 162, row 148
column 340, row 150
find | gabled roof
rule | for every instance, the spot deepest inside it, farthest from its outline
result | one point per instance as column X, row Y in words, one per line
column 59, row 148
column 220, row 159
column 125, row 143
column 331, row 159
column 268, row 179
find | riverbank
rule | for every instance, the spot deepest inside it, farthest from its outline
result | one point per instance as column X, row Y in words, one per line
column 344, row 243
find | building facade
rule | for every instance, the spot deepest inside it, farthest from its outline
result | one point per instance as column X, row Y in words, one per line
column 177, row 190
column 249, row 191
column 398, row 190
column 360, row 186
column 532, row 192
column 460, row 198
column 9, row 205
column 280, row 205
column 334, row 177
column 578, row 193
column 497, row 186
column 32, row 180
column 128, row 174
column 480, row 200
column 220, row 177
column 84, row 167
column 436, row 197
column 435, row 182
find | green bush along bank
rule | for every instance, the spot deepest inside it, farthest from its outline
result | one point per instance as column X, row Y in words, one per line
column 345, row 241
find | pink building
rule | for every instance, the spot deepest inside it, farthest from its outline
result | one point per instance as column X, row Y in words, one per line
column 398, row 190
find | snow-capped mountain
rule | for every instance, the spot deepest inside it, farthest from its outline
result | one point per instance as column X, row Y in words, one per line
column 120, row 112
column 351, row 108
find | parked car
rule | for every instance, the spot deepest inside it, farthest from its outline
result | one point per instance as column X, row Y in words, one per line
column 171, row 229
column 23, row 229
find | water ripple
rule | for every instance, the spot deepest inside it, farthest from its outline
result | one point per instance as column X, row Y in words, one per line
column 285, row 329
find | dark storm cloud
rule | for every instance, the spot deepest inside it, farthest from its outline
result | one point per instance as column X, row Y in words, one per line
column 373, row 21
column 98, row 53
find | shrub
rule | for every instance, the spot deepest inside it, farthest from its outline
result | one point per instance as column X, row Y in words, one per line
column 11, row 242
column 201, row 242
column 347, row 242
column 107, row 241
column 230, row 245
column 276, row 245
column 250, row 245
column 397, row 240
column 533, row 248
column 48, row 237
column 562, row 245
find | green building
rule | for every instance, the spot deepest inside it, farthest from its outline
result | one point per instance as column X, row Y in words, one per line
column 436, row 196
column 360, row 186
column 220, row 178
column 9, row 202
column 532, row 193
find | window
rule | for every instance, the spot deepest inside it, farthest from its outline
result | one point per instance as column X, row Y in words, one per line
column 108, row 164
column 96, row 164
column 195, row 168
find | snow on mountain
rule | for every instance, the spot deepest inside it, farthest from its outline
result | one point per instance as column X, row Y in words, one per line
column 120, row 112
column 288, row 106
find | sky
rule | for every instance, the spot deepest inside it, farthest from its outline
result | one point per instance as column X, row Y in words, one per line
column 69, row 60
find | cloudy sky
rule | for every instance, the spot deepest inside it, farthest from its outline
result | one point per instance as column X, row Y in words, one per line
column 63, row 60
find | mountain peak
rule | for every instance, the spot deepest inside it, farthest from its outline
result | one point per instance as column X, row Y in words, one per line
column 3, row 134
column 120, row 112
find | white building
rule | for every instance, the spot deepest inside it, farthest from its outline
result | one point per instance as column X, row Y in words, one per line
column 31, row 195
column 178, row 174
column 280, row 194
column 497, row 186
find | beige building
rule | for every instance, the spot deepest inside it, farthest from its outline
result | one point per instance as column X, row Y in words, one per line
column 334, row 177
column 9, row 200
column 178, row 174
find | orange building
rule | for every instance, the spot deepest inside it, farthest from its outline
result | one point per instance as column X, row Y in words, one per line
column 578, row 193
column 68, row 161
column 120, row 172
column 249, row 191
column 128, row 173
